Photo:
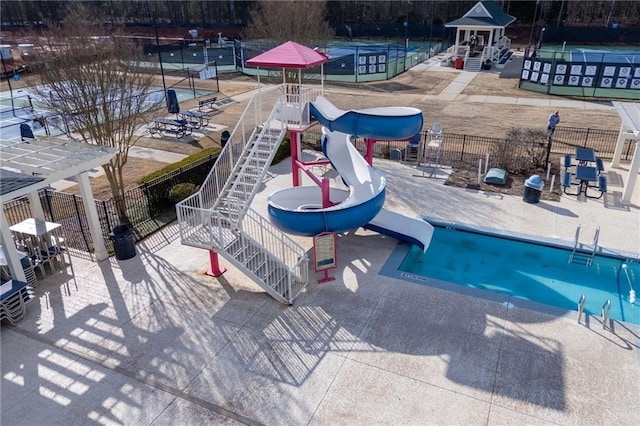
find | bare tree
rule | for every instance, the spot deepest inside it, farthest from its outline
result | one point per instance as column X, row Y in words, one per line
column 93, row 83
column 280, row 21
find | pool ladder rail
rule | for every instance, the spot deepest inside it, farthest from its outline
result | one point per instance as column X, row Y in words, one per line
column 580, row 257
column 604, row 312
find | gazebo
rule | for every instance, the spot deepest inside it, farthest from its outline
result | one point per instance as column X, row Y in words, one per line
column 630, row 129
column 30, row 166
column 292, row 55
column 480, row 36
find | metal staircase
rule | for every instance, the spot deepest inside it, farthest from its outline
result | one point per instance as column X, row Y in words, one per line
column 218, row 217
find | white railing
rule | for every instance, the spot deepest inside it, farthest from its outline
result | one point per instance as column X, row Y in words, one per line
column 280, row 246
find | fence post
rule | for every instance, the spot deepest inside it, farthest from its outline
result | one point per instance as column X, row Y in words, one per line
column 84, row 235
column 586, row 138
column 464, row 141
column 106, row 216
column 145, row 188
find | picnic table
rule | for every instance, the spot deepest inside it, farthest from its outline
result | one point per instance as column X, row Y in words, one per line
column 585, row 155
column 176, row 127
column 195, row 118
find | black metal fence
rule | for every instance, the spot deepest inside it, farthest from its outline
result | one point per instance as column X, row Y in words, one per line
column 461, row 149
column 149, row 206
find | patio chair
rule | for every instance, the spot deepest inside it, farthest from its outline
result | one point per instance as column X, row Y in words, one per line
column 567, row 163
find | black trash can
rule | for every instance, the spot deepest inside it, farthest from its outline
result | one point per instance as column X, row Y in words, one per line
column 224, row 138
column 123, row 244
column 533, row 189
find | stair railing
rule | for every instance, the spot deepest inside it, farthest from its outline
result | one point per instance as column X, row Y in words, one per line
column 575, row 244
column 278, row 249
column 581, row 303
column 606, row 309
column 595, row 246
column 229, row 156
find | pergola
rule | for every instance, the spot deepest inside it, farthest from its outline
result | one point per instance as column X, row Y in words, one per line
column 630, row 129
column 41, row 162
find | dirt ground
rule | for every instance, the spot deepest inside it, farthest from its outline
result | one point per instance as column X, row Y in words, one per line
column 407, row 89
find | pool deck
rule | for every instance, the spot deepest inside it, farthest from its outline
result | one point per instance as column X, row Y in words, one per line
column 153, row 340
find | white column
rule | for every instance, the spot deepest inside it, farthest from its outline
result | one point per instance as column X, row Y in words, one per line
column 92, row 216
column 455, row 52
column 633, row 175
column 36, row 206
column 617, row 153
column 9, row 248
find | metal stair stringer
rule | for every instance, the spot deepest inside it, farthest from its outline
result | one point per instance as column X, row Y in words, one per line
column 272, row 259
column 250, row 170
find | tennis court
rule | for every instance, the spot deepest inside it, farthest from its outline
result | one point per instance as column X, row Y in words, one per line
column 21, row 107
column 584, row 71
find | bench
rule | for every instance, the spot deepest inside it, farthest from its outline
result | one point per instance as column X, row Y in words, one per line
column 602, row 184
column 207, row 102
column 599, row 165
column 602, row 187
column 567, row 178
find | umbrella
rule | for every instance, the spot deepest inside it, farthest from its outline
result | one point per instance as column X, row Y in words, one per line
column 172, row 102
column 26, row 132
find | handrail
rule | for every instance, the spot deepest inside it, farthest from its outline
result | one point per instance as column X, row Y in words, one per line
column 606, row 308
column 595, row 245
column 575, row 244
column 581, row 302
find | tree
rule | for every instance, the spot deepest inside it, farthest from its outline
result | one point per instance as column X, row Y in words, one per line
column 93, row 83
column 280, row 21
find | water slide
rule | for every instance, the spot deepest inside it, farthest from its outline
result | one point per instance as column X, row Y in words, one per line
column 299, row 210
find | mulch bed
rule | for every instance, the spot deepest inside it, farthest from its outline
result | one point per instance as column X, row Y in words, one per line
column 467, row 178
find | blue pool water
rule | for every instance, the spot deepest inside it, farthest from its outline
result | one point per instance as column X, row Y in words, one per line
column 526, row 270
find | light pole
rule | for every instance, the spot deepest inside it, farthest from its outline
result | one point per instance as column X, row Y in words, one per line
column 406, row 28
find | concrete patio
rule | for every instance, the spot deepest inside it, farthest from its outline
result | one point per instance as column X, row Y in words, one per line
column 153, row 340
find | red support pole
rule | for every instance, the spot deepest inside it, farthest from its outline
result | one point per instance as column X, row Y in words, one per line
column 326, row 200
column 295, row 167
column 214, row 269
column 369, row 155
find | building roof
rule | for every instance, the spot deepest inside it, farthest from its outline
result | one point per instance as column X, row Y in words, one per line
column 483, row 14
column 51, row 160
column 289, row 55
column 13, row 184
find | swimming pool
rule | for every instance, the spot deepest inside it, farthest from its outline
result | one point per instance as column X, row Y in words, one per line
column 464, row 258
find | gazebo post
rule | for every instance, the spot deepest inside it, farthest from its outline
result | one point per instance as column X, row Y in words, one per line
column 9, row 247
column 617, row 153
column 93, row 222
column 634, row 168
column 36, row 206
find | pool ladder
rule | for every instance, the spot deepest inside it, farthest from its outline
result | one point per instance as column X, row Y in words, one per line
column 604, row 312
column 580, row 257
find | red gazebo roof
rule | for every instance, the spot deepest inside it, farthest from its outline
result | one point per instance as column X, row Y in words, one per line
column 289, row 55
